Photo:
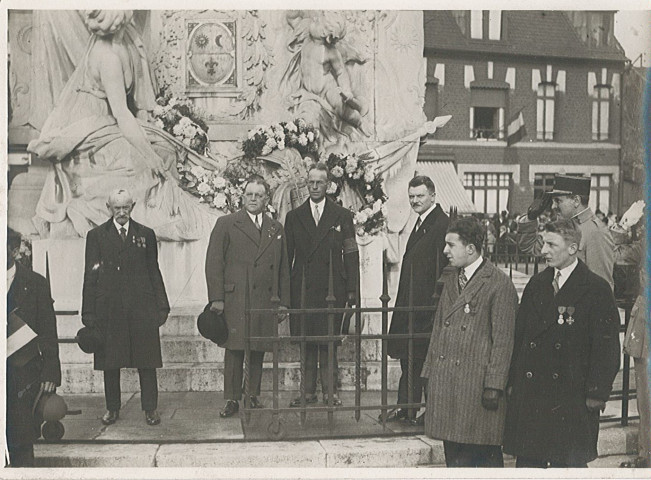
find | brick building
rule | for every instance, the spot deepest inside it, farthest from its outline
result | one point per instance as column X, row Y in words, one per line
column 561, row 69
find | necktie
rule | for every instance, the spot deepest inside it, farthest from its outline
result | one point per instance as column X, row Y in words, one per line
column 123, row 234
column 463, row 280
column 555, row 282
column 257, row 222
column 317, row 215
column 418, row 223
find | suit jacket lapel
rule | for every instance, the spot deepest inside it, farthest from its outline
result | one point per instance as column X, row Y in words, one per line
column 574, row 287
column 267, row 235
column 304, row 214
column 424, row 228
column 326, row 221
column 244, row 223
column 545, row 311
column 473, row 287
column 113, row 235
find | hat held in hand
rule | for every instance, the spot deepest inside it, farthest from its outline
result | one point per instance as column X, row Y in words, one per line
column 212, row 325
column 90, row 339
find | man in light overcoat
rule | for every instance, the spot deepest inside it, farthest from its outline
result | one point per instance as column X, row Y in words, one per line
column 319, row 231
column 469, row 353
column 565, row 358
column 247, row 249
column 124, row 297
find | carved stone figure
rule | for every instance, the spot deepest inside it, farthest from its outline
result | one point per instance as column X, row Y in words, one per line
column 317, row 80
column 96, row 143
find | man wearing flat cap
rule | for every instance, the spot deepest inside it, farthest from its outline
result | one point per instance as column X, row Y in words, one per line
column 569, row 200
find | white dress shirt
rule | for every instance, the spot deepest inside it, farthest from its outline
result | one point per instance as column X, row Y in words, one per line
column 424, row 215
column 118, row 226
column 321, row 206
column 11, row 274
column 253, row 217
column 470, row 270
column 565, row 273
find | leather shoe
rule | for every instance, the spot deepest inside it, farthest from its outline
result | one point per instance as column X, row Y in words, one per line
column 110, row 417
column 254, row 402
column 335, row 400
column 152, row 417
column 308, row 399
column 418, row 421
column 230, row 409
column 395, row 415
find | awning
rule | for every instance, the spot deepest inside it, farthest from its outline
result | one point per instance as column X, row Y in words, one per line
column 449, row 190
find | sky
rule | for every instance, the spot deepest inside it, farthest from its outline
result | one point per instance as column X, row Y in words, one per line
column 633, row 30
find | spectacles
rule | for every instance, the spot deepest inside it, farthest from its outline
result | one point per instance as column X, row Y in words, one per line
column 252, row 196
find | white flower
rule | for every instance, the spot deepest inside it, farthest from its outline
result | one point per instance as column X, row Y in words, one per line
column 159, row 111
column 310, row 136
column 198, row 171
column 219, row 182
column 357, row 175
column 281, row 145
column 302, row 139
column 220, row 201
column 377, row 206
column 332, row 188
column 177, row 130
column 291, row 127
column 266, row 150
column 203, row 188
column 361, row 217
column 351, row 165
column 172, row 101
column 159, row 123
column 337, row 172
column 369, row 176
column 186, row 141
column 271, row 143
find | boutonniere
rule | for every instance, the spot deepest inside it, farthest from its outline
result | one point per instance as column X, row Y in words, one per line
column 336, row 228
column 140, row 242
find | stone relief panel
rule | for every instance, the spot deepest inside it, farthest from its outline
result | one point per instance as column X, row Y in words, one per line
column 20, row 51
column 400, row 74
column 220, row 58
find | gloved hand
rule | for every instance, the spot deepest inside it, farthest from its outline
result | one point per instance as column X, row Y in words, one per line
column 539, row 205
column 490, row 398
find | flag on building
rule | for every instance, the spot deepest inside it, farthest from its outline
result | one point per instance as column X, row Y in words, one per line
column 19, row 334
column 516, row 130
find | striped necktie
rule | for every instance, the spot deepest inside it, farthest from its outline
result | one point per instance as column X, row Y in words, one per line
column 555, row 282
column 463, row 280
column 123, row 234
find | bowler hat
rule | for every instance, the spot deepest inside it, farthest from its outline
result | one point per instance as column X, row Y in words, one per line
column 212, row 325
column 90, row 339
column 50, row 407
column 569, row 185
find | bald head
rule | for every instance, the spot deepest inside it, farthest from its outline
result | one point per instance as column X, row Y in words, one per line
column 120, row 203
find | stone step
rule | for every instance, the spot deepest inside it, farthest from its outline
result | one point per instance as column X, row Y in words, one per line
column 196, row 349
column 80, row 378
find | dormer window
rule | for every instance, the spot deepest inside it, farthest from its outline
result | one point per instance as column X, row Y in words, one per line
column 480, row 24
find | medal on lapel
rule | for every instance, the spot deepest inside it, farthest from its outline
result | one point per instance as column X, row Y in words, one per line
column 570, row 319
column 466, row 308
column 561, row 311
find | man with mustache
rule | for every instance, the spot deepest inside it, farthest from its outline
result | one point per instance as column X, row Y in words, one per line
column 569, row 200
column 565, row 358
column 124, row 297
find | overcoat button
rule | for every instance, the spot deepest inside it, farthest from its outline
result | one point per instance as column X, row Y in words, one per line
column 529, row 375
column 441, row 357
column 532, row 345
column 447, row 324
column 458, row 362
column 557, row 346
column 555, row 376
column 463, row 327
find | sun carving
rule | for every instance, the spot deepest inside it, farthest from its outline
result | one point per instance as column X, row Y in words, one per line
column 404, row 39
column 201, row 40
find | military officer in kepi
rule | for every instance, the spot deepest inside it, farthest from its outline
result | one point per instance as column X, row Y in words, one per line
column 565, row 358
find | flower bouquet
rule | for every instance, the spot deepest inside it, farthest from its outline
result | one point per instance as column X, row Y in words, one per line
column 297, row 134
column 179, row 117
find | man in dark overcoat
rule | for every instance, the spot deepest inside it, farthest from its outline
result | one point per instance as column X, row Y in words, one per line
column 317, row 232
column 469, row 355
column 565, row 358
column 33, row 363
column 247, row 248
column 422, row 264
column 124, row 297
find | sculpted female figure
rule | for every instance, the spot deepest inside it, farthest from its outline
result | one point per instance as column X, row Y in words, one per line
column 97, row 144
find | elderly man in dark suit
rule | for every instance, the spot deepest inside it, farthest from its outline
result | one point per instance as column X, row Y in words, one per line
column 422, row 264
column 469, row 354
column 320, row 231
column 565, row 358
column 32, row 352
column 247, row 249
column 124, row 297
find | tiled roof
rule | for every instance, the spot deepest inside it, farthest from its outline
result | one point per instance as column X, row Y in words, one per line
column 529, row 32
